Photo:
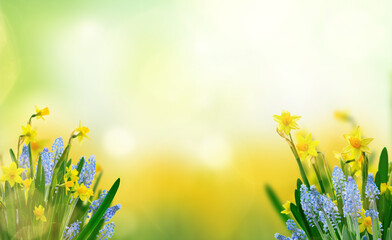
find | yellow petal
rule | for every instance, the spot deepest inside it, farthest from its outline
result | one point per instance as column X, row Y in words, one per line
column 277, row 118
column 308, row 138
column 366, row 141
column 312, row 152
column 361, row 227
column 365, row 149
column 370, row 230
column 347, row 149
column 18, row 179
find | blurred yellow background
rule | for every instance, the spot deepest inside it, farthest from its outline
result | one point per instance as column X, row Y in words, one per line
column 179, row 98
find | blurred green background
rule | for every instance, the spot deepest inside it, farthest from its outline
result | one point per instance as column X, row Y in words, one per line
column 179, row 97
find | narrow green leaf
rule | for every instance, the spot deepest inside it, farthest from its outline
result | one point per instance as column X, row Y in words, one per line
column 276, row 203
column 31, row 162
column 10, row 209
column 96, row 230
column 383, row 166
column 96, row 218
column 298, row 216
column 80, row 165
column 13, row 157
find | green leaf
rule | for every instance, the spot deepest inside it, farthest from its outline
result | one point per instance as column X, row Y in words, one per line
column 31, row 162
column 347, row 235
column 80, row 165
column 10, row 209
column 13, row 157
column 96, row 218
column 298, row 216
column 276, row 203
column 96, row 230
column 383, row 166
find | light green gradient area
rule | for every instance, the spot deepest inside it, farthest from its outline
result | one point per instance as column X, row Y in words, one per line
column 179, row 97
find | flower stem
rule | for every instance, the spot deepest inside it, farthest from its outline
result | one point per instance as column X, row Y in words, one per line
column 301, row 167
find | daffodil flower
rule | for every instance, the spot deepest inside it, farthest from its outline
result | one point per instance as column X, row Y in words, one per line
column 12, row 174
column 40, row 113
column 287, row 209
column 28, row 134
column 27, row 183
column 81, row 132
column 82, row 192
column 357, row 144
column 39, row 213
column 306, row 146
column 286, row 122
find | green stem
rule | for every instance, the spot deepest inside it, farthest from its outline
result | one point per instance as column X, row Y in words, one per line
column 365, row 169
column 320, row 180
column 301, row 167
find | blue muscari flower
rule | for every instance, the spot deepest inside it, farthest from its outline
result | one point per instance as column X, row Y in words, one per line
column 112, row 210
column 87, row 173
column 309, row 204
column 24, row 161
column 338, row 180
column 281, row 237
column 298, row 234
column 48, row 165
column 95, row 204
column 351, row 198
column 371, row 213
column 71, row 231
column 371, row 191
column 331, row 210
column 50, row 158
column 106, row 232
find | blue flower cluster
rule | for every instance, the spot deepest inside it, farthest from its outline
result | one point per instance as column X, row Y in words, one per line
column 24, row 161
column 297, row 233
column 308, row 205
column 87, row 173
column 351, row 198
column 110, row 212
column 71, row 231
column 371, row 191
column 318, row 208
column 338, row 180
column 50, row 158
column 95, row 204
column 106, row 232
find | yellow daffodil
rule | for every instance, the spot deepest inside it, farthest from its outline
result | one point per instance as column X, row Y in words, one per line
column 306, row 146
column 286, row 122
column 287, row 209
column 12, row 174
column 39, row 213
column 81, row 132
column 72, row 174
column 357, row 145
column 27, row 183
column 82, row 192
column 365, row 223
column 40, row 113
column 28, row 134
column 69, row 185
